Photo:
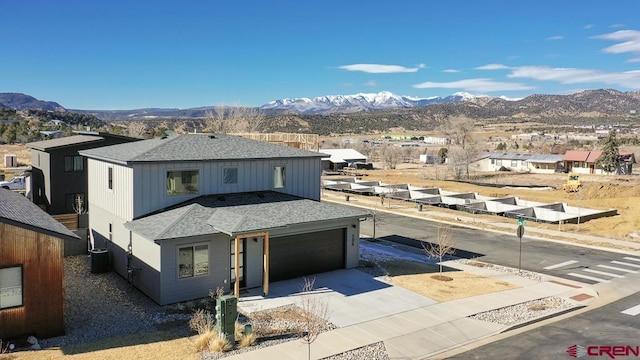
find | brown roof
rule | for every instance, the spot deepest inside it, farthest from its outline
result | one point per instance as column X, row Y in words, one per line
column 593, row 156
column 575, row 155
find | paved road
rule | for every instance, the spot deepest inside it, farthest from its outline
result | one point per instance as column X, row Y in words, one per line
column 593, row 331
column 576, row 263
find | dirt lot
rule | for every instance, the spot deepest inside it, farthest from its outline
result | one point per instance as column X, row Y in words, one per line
column 598, row 192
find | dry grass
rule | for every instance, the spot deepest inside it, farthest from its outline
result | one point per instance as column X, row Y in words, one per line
column 598, row 192
column 219, row 344
column 149, row 346
column 418, row 277
column 247, row 340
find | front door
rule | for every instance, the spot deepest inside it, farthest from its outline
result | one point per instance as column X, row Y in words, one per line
column 241, row 263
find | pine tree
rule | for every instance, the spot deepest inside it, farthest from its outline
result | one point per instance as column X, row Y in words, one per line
column 609, row 161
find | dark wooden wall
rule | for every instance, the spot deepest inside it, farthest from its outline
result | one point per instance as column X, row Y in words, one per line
column 42, row 313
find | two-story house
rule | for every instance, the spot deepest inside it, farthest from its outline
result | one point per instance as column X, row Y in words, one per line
column 59, row 176
column 189, row 213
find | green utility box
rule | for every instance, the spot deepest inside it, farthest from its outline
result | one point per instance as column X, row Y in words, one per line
column 226, row 315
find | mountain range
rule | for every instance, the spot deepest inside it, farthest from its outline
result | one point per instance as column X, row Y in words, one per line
column 600, row 103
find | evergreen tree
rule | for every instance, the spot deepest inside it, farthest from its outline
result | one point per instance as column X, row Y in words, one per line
column 609, row 161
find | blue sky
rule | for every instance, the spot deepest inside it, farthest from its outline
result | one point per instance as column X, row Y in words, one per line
column 181, row 54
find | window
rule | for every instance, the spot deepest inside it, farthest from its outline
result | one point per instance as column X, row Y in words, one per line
column 75, row 203
column 11, row 287
column 524, row 163
column 241, row 261
column 111, row 232
column 193, row 261
column 279, row 177
column 230, row 176
column 493, row 161
column 182, row 182
column 73, row 163
column 110, row 178
column 514, row 163
column 498, row 162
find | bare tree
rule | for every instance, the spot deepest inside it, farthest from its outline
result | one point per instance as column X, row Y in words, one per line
column 233, row 119
column 443, row 246
column 377, row 217
column 78, row 205
column 464, row 146
column 315, row 313
column 390, row 156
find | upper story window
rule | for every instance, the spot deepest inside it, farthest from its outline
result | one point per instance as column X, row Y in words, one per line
column 279, row 177
column 182, row 182
column 230, row 176
column 110, row 178
column 11, row 287
column 73, row 163
column 193, row 261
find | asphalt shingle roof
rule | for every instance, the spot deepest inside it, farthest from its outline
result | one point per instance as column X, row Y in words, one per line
column 196, row 147
column 63, row 142
column 18, row 210
column 237, row 214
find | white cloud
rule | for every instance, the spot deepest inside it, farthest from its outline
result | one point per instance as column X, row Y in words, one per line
column 628, row 41
column 616, row 25
column 588, row 26
column 475, row 85
column 634, row 60
column 371, row 83
column 492, row 67
column 557, row 37
column 629, row 79
column 380, row 69
column 453, row 71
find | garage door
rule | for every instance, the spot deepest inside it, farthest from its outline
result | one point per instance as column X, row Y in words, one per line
column 310, row 253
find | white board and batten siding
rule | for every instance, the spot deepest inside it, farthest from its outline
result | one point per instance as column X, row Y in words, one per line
column 117, row 201
column 150, row 188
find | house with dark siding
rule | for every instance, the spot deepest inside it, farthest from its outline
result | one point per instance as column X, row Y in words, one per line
column 31, row 269
column 188, row 213
column 59, row 175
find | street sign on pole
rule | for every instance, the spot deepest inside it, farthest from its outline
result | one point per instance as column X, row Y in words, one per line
column 520, row 233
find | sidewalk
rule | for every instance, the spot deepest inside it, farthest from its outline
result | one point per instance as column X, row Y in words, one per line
column 431, row 329
column 435, row 328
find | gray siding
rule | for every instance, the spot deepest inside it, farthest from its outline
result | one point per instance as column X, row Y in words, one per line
column 150, row 194
column 175, row 289
column 117, row 201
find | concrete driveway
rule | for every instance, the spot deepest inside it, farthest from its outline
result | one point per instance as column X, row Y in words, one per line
column 353, row 296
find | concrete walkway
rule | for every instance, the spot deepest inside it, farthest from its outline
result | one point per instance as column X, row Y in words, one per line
column 418, row 328
column 422, row 328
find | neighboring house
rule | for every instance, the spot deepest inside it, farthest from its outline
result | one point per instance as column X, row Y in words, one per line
column 31, row 269
column 533, row 163
column 341, row 158
column 59, row 176
column 177, row 214
column 584, row 162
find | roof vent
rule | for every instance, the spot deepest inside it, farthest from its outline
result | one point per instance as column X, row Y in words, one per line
column 212, row 136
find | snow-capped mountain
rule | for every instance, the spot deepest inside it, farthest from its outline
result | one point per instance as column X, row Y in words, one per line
column 358, row 102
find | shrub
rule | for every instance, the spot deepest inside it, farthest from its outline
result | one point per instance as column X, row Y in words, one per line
column 203, row 340
column 247, row 340
column 219, row 343
column 201, row 322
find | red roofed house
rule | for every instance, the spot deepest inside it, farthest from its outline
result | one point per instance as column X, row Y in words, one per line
column 584, row 162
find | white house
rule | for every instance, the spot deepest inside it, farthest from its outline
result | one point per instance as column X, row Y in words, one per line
column 341, row 158
column 189, row 213
column 533, row 163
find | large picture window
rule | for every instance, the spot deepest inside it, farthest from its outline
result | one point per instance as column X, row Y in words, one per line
column 10, row 287
column 73, row 163
column 193, row 261
column 279, row 177
column 230, row 176
column 182, row 182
